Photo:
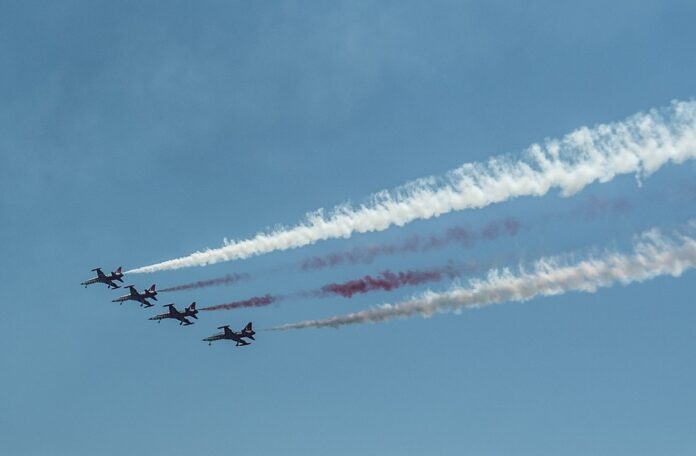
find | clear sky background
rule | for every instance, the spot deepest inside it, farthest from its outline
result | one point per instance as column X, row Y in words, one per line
column 135, row 132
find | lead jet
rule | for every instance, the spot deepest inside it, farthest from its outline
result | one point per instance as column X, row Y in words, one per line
column 106, row 279
column 142, row 298
column 190, row 311
column 228, row 334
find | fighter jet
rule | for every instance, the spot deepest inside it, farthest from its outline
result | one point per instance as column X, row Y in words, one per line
column 142, row 298
column 190, row 311
column 106, row 279
column 238, row 337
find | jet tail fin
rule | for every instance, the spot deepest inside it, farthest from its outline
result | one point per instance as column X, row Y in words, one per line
column 192, row 310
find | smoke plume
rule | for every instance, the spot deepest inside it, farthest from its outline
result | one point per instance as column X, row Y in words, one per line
column 641, row 144
column 257, row 301
column 229, row 279
column 415, row 243
column 385, row 281
column 653, row 255
column 388, row 281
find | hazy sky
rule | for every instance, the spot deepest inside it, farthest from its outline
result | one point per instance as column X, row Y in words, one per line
column 136, row 132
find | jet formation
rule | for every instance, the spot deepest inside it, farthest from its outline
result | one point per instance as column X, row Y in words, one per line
column 182, row 316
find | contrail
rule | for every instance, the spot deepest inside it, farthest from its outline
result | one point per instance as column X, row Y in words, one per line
column 641, row 144
column 653, row 255
column 415, row 243
column 225, row 280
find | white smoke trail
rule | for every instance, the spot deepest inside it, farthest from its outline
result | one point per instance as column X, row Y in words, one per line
column 641, row 144
column 654, row 255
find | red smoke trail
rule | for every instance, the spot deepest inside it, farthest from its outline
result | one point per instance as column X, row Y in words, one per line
column 226, row 280
column 388, row 280
column 416, row 243
column 257, row 301
column 595, row 207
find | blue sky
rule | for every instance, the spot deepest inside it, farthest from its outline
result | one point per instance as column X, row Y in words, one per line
column 132, row 133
